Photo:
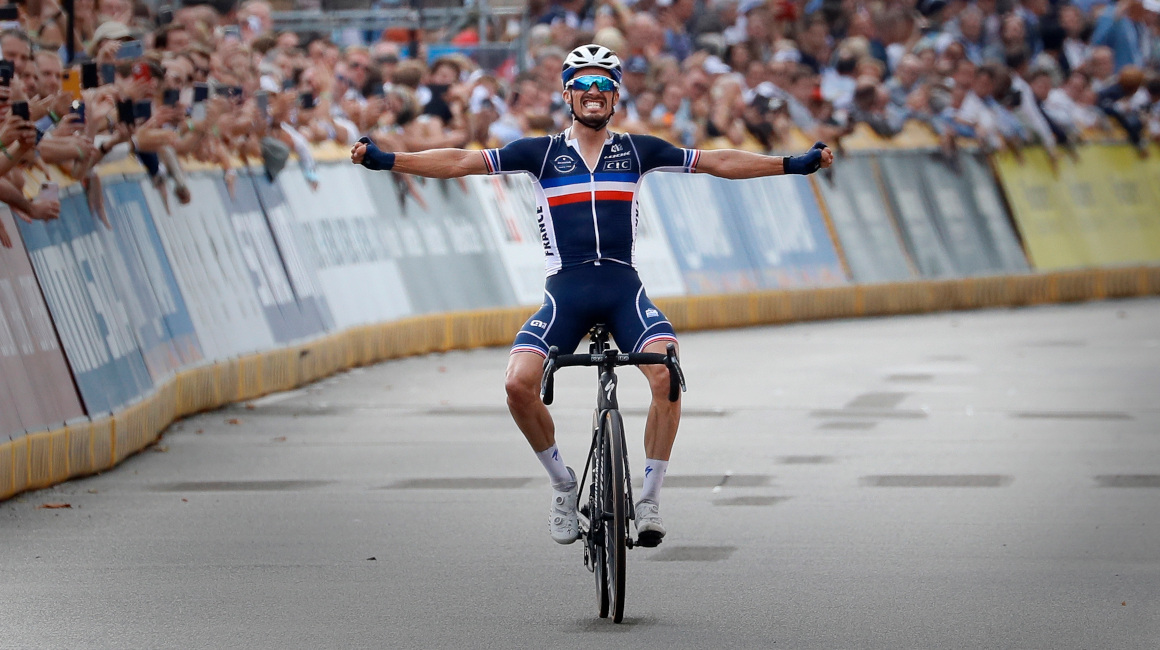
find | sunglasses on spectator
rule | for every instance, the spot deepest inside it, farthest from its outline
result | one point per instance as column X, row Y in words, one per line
column 603, row 84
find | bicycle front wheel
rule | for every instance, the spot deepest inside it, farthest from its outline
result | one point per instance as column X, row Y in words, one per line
column 614, row 507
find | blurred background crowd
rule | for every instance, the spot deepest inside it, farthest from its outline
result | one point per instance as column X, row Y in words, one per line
column 222, row 84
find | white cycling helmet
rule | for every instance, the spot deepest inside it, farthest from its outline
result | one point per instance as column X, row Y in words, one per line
column 590, row 56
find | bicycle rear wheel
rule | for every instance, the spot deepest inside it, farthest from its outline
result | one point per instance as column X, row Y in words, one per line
column 616, row 522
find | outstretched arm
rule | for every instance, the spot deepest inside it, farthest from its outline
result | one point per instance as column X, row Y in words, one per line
column 433, row 163
column 735, row 164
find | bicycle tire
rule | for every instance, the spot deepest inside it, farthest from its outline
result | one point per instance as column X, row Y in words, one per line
column 596, row 539
column 616, row 528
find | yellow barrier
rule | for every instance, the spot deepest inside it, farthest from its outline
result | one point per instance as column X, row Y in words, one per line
column 45, row 458
column 1100, row 209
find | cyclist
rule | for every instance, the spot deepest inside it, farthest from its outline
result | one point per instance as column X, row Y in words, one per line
column 586, row 182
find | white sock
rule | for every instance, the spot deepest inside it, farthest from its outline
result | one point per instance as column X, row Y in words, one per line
column 557, row 470
column 654, row 475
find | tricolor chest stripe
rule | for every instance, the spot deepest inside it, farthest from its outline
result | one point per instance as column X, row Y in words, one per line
column 586, row 188
column 581, row 197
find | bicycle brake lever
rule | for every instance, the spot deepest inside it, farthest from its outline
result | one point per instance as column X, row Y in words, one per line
column 676, row 376
column 547, row 382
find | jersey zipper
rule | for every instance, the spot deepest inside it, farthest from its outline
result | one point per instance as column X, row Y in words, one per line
column 595, row 223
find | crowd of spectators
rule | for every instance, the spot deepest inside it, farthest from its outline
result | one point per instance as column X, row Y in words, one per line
column 216, row 83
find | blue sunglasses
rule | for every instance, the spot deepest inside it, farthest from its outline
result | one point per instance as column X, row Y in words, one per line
column 583, row 83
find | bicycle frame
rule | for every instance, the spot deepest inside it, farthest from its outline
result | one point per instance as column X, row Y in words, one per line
column 605, row 532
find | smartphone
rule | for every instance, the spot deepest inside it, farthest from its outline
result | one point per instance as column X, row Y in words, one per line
column 263, row 99
column 70, row 82
column 108, row 73
column 125, row 111
column 89, row 75
column 6, row 72
column 130, row 50
column 200, row 93
column 20, row 109
column 49, row 191
column 231, row 32
column 197, row 112
column 171, row 96
column 143, row 109
column 9, row 13
column 78, row 108
column 306, row 100
column 142, row 72
column 288, row 84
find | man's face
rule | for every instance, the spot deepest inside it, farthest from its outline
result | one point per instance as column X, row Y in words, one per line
column 965, row 74
column 16, row 51
column 1041, row 87
column 30, row 78
column 358, row 64
column 984, row 85
column 178, row 40
column 444, row 75
column 591, row 106
column 50, row 70
column 971, row 25
column 1102, row 63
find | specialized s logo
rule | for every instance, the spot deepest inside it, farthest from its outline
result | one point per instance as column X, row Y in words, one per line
column 647, row 471
column 564, row 164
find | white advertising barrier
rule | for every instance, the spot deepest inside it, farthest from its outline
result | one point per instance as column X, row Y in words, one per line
column 508, row 205
column 211, row 270
column 655, row 261
column 300, row 264
column 865, row 230
column 354, row 250
column 450, row 261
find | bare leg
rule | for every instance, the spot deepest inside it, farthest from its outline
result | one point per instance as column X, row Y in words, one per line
column 524, row 372
column 660, row 429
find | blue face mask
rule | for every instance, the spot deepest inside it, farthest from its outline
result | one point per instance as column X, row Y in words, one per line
column 582, row 84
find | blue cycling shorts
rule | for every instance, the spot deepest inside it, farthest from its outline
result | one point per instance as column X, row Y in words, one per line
column 577, row 298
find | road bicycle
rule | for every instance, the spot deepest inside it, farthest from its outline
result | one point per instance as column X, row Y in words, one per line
column 605, row 518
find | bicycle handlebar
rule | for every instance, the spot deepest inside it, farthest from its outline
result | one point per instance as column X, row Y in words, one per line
column 612, row 359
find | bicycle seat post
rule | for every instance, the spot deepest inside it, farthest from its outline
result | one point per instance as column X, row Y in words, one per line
column 599, row 337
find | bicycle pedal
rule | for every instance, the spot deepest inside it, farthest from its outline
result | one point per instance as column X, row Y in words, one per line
column 649, row 539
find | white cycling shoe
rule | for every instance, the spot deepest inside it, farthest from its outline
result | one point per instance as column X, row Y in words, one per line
column 649, row 527
column 562, row 520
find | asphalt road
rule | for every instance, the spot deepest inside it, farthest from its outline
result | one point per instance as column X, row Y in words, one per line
column 964, row 480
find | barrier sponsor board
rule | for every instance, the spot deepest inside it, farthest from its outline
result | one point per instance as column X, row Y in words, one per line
column 211, row 271
column 36, row 386
column 1096, row 210
column 868, row 237
column 96, row 310
column 946, row 232
column 783, row 231
column 289, row 318
column 163, row 326
column 999, row 227
column 355, row 251
column 708, row 248
column 448, row 260
column 508, row 204
column 301, row 266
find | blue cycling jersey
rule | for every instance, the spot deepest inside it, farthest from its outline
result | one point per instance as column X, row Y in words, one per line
column 588, row 215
